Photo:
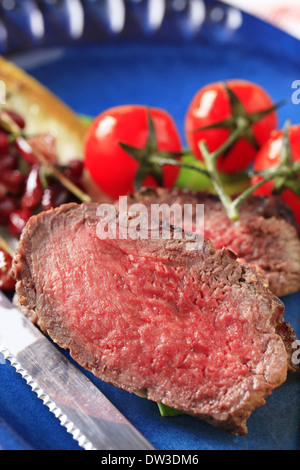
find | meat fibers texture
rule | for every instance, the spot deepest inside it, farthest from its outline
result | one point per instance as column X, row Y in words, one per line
column 266, row 235
column 193, row 328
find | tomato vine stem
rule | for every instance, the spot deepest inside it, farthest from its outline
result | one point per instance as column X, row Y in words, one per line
column 211, row 158
column 285, row 174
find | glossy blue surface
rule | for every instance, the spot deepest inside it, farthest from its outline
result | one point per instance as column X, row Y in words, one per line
column 162, row 73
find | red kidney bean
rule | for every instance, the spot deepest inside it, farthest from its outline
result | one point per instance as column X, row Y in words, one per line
column 7, row 206
column 13, row 181
column 44, row 144
column 18, row 220
column 25, row 150
column 34, row 190
column 55, row 196
column 3, row 192
column 7, row 283
column 8, row 161
column 19, row 120
column 74, row 169
column 4, row 143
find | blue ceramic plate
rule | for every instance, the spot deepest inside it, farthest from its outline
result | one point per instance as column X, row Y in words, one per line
column 161, row 66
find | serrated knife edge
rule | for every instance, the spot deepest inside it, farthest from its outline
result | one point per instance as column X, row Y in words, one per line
column 47, row 401
column 93, row 421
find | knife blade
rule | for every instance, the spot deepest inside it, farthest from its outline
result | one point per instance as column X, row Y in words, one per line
column 92, row 420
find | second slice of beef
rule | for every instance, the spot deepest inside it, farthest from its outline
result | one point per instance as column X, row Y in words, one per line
column 194, row 328
column 266, row 235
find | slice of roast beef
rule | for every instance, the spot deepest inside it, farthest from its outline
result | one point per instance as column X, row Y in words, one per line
column 192, row 327
column 266, row 236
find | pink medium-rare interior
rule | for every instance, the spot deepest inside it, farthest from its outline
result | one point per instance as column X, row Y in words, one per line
column 147, row 321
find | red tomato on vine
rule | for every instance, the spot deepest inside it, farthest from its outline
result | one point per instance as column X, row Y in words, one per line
column 218, row 109
column 121, row 145
column 269, row 156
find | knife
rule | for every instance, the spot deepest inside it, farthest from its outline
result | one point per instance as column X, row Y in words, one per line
column 92, row 420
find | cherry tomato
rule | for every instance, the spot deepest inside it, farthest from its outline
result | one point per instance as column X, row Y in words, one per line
column 269, row 156
column 213, row 106
column 113, row 168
